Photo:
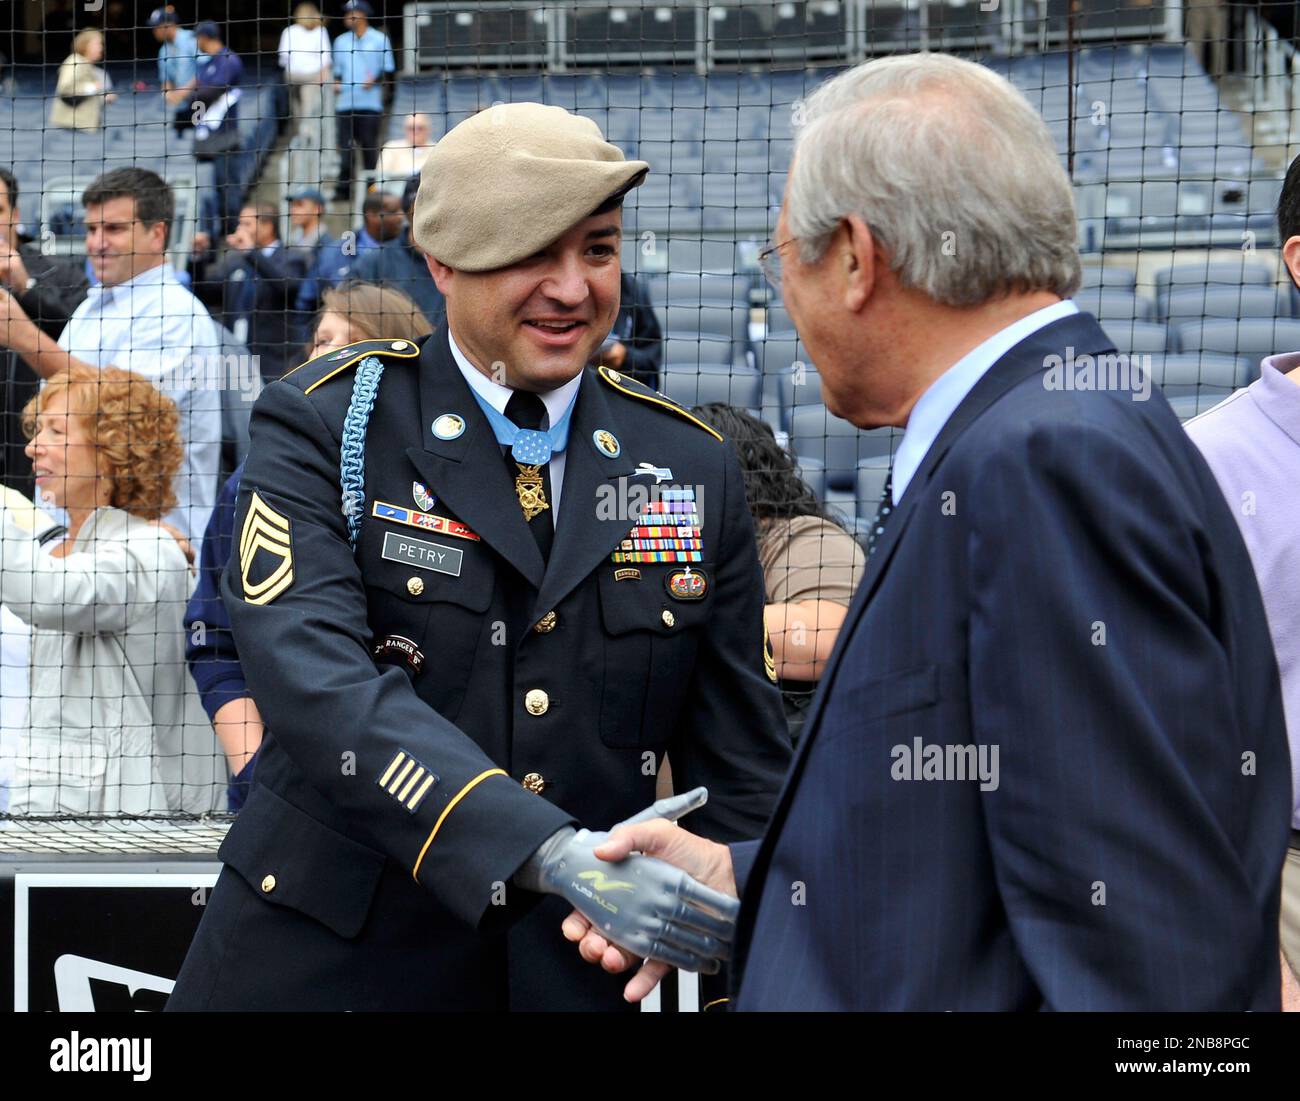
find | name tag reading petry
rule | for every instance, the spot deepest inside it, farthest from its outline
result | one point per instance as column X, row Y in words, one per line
column 422, row 554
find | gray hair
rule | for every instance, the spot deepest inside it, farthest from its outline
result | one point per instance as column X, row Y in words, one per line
column 951, row 168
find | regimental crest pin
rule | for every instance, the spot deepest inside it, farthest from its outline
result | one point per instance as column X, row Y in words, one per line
column 449, row 426
column 607, row 443
column 423, row 497
column 687, row 584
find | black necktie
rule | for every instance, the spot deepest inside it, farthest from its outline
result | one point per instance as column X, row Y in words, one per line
column 527, row 410
column 882, row 514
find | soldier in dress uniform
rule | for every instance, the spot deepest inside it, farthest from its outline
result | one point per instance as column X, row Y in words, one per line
column 480, row 591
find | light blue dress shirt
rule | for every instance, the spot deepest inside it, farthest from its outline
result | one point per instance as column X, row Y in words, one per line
column 949, row 390
column 155, row 327
column 497, row 396
column 357, row 60
column 178, row 61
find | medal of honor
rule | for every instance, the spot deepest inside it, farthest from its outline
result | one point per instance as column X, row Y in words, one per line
column 531, row 490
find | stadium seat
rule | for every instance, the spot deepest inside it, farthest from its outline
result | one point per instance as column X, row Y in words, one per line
column 775, row 354
column 692, row 353
column 1193, row 405
column 1114, row 305
column 1252, row 337
column 1181, row 373
column 798, row 385
column 778, row 319
column 813, row 472
column 837, row 444
column 871, row 485
column 1109, row 278
column 1194, row 303
column 726, row 321
column 1221, row 273
column 1136, row 336
column 738, row 386
column 694, row 288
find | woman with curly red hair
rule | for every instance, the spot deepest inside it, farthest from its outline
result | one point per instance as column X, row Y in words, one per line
column 115, row 725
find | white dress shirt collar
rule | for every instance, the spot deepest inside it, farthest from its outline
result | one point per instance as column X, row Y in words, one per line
column 940, row 400
column 496, row 395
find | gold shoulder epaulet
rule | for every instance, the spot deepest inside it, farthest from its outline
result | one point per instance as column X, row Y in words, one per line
column 624, row 384
column 318, row 371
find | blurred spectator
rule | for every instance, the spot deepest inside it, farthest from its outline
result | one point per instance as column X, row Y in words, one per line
column 635, row 344
column 320, row 255
column 811, row 565
column 138, row 317
column 1207, row 34
column 351, row 313
column 252, row 286
column 215, row 116
column 382, row 220
column 82, row 88
column 178, row 60
column 363, row 57
column 400, row 263
column 404, row 157
column 305, row 58
column 48, row 288
column 115, row 726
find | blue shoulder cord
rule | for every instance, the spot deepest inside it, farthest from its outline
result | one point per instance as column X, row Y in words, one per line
column 352, row 451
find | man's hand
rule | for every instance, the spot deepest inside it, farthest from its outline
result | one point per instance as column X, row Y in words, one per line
column 187, row 548
column 175, row 96
column 16, row 329
column 706, row 861
column 13, row 272
column 241, row 239
column 645, row 905
column 202, row 242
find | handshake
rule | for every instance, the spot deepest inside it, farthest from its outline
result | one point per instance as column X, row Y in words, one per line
column 645, row 890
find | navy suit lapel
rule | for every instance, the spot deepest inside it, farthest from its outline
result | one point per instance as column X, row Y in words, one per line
column 469, row 473
column 589, row 528
column 1078, row 331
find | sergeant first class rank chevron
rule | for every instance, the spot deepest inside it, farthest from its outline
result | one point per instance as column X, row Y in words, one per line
column 265, row 530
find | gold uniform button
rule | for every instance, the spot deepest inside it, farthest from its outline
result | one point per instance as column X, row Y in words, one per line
column 399, row 345
column 546, row 624
column 268, row 884
column 668, row 618
column 537, row 701
column 534, row 782
column 415, row 586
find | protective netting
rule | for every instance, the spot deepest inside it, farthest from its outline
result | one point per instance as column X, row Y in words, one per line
column 288, row 145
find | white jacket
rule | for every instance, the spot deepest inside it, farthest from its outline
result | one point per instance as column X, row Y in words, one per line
column 116, row 726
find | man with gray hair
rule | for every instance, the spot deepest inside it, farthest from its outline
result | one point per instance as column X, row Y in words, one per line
column 1055, row 590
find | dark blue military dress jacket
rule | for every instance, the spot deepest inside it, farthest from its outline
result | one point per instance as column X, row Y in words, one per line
column 439, row 700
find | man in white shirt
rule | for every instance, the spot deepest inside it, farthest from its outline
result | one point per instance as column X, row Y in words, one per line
column 404, row 157
column 140, row 318
column 305, row 58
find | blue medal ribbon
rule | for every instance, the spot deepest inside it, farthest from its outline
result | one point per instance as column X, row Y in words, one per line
column 528, row 446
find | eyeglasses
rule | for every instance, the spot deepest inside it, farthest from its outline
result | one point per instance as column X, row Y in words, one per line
column 770, row 261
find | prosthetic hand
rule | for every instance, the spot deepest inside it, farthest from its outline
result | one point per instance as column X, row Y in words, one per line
column 642, row 904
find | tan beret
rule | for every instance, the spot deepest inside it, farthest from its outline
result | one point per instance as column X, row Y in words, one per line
column 510, row 180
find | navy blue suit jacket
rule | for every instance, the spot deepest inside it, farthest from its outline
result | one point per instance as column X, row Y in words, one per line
column 1062, row 580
